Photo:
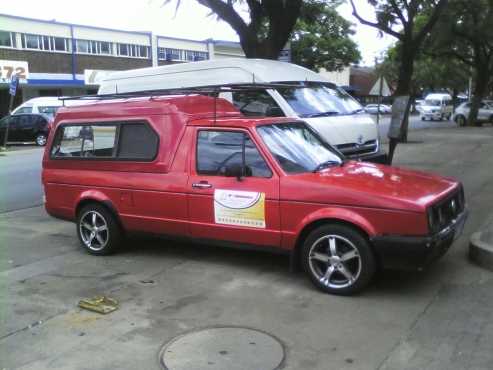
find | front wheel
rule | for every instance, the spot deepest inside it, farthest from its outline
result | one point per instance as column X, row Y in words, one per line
column 98, row 230
column 338, row 259
column 41, row 140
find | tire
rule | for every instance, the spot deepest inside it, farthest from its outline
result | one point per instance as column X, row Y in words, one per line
column 461, row 120
column 323, row 260
column 108, row 234
column 422, row 118
column 41, row 139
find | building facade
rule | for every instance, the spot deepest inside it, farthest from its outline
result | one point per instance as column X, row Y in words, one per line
column 59, row 59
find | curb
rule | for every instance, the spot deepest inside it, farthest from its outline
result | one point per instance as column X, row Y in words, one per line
column 481, row 252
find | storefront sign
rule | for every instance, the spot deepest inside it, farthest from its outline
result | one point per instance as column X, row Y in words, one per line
column 8, row 68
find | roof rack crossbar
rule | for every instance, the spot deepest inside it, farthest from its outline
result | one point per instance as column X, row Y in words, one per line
column 210, row 89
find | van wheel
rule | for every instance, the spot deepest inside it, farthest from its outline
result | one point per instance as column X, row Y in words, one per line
column 98, row 230
column 41, row 140
column 338, row 259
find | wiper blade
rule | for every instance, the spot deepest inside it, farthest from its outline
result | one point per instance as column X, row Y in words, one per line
column 326, row 164
column 321, row 114
column 360, row 110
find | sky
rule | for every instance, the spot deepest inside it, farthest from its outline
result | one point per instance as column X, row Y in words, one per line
column 191, row 21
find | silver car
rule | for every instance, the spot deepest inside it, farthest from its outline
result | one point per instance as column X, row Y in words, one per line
column 485, row 113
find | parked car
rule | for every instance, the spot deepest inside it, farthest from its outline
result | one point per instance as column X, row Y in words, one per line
column 373, row 109
column 194, row 167
column 437, row 107
column 485, row 113
column 336, row 116
column 24, row 128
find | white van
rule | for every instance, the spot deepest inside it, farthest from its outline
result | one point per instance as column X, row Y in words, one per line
column 47, row 105
column 338, row 117
column 437, row 106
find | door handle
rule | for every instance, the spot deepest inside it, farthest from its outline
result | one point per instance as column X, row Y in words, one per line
column 201, row 185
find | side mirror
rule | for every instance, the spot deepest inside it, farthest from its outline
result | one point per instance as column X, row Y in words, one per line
column 234, row 170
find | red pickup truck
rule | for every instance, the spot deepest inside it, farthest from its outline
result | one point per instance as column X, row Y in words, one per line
column 191, row 167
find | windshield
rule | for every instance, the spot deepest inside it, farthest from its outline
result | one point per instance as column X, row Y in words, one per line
column 433, row 102
column 319, row 99
column 297, row 148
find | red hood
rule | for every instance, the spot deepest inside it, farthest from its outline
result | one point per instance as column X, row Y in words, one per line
column 368, row 185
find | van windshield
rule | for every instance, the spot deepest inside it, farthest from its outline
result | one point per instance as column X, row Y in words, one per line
column 298, row 149
column 319, row 99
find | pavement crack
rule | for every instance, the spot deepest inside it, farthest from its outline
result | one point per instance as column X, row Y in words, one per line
column 32, row 325
column 411, row 327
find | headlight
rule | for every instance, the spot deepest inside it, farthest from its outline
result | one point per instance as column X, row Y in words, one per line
column 433, row 219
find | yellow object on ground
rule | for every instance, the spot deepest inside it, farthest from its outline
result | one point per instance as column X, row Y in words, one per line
column 100, row 304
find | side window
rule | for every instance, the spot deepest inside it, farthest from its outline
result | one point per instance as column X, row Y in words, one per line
column 137, row 141
column 218, row 149
column 48, row 110
column 85, row 141
column 256, row 104
column 126, row 141
column 24, row 110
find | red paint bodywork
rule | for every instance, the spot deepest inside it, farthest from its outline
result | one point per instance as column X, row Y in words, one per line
column 158, row 197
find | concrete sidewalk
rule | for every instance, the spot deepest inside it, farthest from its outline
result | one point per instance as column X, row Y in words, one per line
column 438, row 319
column 481, row 247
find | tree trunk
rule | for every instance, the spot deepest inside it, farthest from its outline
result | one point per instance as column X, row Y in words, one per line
column 404, row 83
column 482, row 81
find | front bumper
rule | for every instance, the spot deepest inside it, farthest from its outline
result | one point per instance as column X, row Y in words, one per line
column 378, row 157
column 430, row 115
column 416, row 252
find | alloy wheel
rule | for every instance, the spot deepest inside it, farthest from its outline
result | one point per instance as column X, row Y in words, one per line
column 94, row 230
column 335, row 261
column 41, row 140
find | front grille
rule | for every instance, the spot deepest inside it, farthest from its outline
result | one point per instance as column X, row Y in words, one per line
column 448, row 209
column 357, row 150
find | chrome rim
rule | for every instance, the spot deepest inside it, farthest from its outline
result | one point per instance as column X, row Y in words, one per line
column 94, row 230
column 41, row 140
column 335, row 261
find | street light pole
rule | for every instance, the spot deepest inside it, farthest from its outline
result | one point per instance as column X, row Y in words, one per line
column 14, row 83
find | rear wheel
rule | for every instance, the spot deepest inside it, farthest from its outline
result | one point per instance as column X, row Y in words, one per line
column 41, row 139
column 98, row 230
column 338, row 259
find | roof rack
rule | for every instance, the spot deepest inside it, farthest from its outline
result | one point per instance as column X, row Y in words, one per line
column 210, row 89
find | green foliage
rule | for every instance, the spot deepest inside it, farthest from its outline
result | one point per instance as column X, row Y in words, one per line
column 431, row 72
column 321, row 38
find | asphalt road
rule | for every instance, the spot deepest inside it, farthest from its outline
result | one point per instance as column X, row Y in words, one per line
column 20, row 179
column 415, row 123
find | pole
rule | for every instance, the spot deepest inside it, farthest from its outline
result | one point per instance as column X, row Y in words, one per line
column 380, row 89
column 12, row 91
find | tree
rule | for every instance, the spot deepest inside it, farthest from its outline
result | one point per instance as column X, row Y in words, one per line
column 410, row 22
column 321, row 38
column 431, row 72
column 270, row 26
column 465, row 34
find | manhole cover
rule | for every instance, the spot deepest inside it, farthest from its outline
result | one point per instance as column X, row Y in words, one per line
column 230, row 348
